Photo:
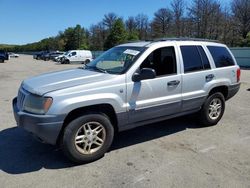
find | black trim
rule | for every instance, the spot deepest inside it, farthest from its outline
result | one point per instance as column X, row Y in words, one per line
column 123, row 127
column 232, row 90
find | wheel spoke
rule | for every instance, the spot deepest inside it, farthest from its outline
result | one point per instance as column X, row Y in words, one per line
column 80, row 137
column 85, row 147
column 88, row 127
column 89, row 148
column 98, row 129
column 99, row 140
column 85, row 130
column 79, row 141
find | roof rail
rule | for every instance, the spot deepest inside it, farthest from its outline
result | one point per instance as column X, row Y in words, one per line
column 184, row 39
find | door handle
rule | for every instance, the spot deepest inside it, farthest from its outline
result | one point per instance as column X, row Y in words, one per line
column 173, row 83
column 209, row 77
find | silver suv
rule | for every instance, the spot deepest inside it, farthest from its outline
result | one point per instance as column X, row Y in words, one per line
column 129, row 85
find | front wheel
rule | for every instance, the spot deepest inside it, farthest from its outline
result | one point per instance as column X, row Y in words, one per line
column 87, row 138
column 212, row 110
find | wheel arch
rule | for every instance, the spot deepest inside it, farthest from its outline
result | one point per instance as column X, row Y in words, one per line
column 221, row 89
column 106, row 109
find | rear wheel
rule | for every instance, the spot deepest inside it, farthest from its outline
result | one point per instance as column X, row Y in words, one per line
column 87, row 138
column 212, row 110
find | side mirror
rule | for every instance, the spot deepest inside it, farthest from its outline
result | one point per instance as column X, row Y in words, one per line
column 145, row 73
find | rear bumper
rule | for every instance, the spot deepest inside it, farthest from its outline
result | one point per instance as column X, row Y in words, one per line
column 45, row 127
column 232, row 90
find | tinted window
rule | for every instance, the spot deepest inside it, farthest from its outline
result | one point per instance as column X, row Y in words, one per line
column 191, row 58
column 221, row 56
column 73, row 53
column 162, row 60
column 204, row 58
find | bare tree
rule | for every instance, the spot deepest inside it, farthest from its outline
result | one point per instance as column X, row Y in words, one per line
column 131, row 24
column 97, row 36
column 241, row 11
column 142, row 26
column 161, row 22
column 205, row 15
column 109, row 19
column 178, row 11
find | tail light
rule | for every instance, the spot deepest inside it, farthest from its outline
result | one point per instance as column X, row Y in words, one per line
column 238, row 74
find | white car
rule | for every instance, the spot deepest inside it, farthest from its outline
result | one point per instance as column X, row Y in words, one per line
column 11, row 54
column 77, row 56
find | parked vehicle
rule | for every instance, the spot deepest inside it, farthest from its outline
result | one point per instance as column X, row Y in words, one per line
column 48, row 56
column 77, row 56
column 45, row 55
column 40, row 55
column 129, row 85
column 54, row 55
column 59, row 58
column 3, row 56
column 11, row 54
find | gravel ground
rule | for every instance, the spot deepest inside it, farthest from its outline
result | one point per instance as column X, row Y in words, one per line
column 173, row 153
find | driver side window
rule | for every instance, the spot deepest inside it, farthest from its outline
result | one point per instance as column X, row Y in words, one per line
column 73, row 53
column 162, row 60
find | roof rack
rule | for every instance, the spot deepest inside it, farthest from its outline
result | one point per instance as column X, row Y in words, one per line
column 184, row 39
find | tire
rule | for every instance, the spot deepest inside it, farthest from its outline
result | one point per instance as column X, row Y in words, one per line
column 67, row 61
column 87, row 61
column 1, row 60
column 85, row 148
column 212, row 110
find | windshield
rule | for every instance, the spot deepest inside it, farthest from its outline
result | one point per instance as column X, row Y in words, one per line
column 117, row 60
column 66, row 53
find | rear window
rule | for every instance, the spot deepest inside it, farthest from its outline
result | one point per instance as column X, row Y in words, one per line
column 221, row 56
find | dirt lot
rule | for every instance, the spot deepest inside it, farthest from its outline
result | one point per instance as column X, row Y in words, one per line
column 174, row 153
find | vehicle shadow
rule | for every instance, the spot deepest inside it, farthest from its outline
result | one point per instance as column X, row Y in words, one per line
column 21, row 153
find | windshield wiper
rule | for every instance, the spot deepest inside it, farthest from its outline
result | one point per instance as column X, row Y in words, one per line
column 96, row 68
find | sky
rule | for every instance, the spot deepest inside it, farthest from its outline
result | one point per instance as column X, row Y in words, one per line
column 27, row 21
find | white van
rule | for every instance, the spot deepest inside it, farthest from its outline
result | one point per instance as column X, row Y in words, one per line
column 77, row 56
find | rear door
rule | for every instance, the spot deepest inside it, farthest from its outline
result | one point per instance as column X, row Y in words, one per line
column 197, row 76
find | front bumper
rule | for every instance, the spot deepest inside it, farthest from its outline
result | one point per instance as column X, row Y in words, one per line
column 45, row 127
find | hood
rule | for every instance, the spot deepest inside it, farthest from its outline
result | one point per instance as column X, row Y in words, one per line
column 63, row 79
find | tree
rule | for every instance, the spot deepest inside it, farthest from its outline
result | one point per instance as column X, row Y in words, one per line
column 117, row 34
column 241, row 11
column 178, row 11
column 161, row 22
column 203, row 12
column 109, row 19
column 97, row 36
column 142, row 25
column 131, row 26
column 75, row 38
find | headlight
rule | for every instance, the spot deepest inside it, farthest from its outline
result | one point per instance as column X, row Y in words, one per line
column 37, row 105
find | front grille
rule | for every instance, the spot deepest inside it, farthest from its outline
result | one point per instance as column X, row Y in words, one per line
column 20, row 99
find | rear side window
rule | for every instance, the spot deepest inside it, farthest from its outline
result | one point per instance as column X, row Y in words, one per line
column 221, row 56
column 204, row 58
column 194, row 58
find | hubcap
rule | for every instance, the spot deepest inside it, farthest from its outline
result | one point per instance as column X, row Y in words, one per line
column 214, row 110
column 90, row 137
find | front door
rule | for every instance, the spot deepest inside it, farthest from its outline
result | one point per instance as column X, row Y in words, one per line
column 161, row 96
